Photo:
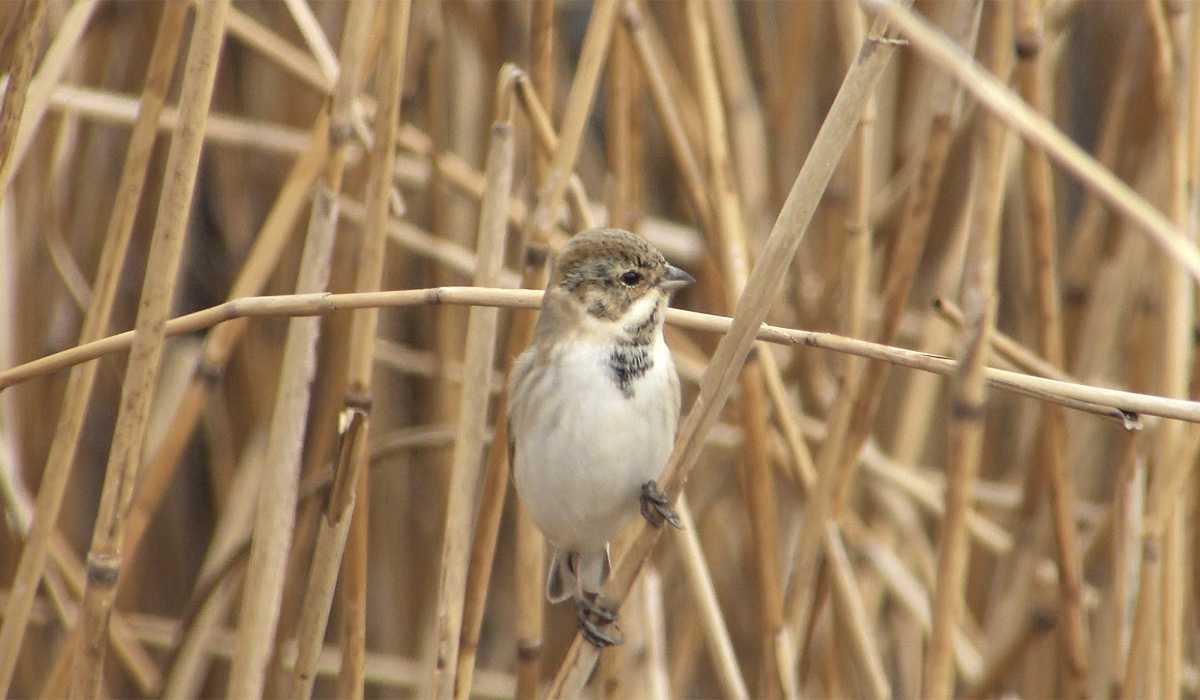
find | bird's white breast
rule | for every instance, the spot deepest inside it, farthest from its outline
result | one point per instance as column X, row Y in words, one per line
column 583, row 447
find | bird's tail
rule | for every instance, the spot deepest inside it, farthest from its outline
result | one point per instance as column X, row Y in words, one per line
column 571, row 571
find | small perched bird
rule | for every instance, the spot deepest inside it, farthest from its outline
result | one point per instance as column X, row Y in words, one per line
column 593, row 408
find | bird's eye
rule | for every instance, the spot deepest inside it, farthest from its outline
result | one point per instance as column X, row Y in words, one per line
column 630, row 278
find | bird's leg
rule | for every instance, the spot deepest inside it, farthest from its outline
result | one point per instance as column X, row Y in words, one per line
column 656, row 508
column 592, row 615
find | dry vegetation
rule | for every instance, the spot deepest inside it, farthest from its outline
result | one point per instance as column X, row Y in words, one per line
column 309, row 493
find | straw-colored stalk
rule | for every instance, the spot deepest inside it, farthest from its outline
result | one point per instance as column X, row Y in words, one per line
column 579, row 103
column 343, row 512
column 1085, row 397
column 269, row 245
column 472, row 420
column 968, row 407
column 95, row 325
column 756, row 476
column 1039, row 202
column 30, row 17
column 1151, row 669
column 25, row 100
column 995, row 97
column 362, row 349
column 104, row 557
column 859, row 398
column 529, row 558
column 278, row 492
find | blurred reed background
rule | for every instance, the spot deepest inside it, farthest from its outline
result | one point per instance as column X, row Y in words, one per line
column 184, row 513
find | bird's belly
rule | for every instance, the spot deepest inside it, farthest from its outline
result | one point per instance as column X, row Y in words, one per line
column 586, row 449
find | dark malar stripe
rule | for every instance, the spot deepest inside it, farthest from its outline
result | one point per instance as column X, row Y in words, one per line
column 643, row 332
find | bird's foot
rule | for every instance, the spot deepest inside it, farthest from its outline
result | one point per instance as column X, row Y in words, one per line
column 656, row 508
column 593, row 617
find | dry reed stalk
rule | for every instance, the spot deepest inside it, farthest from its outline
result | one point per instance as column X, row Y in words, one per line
column 68, row 572
column 911, row 593
column 353, row 590
column 278, row 491
column 269, row 246
column 529, row 558
column 483, row 550
column 191, row 647
column 762, row 286
column 472, row 420
column 849, row 606
column 622, row 141
column 278, row 50
column 277, row 494
column 909, row 244
column 748, row 135
column 104, row 557
column 993, row 96
column 387, row 671
column 968, row 403
column 24, row 98
column 117, row 108
column 314, row 37
column 1154, row 667
column 637, row 27
column 579, row 102
column 755, row 474
column 1085, row 397
column 340, row 520
column 81, row 380
column 1085, row 238
column 1037, row 625
column 31, row 16
column 720, row 646
column 358, row 397
column 859, row 397
column 1039, row 203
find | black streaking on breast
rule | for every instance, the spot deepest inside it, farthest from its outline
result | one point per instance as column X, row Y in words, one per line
column 629, row 362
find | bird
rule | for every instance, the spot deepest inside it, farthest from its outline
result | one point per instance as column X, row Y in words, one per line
column 593, row 410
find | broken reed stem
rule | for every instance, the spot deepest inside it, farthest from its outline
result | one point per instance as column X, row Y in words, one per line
column 473, row 409
column 336, row 526
column 361, row 351
column 1013, row 111
column 968, row 409
column 95, row 325
column 1039, row 203
column 104, row 559
column 762, row 287
column 278, row 493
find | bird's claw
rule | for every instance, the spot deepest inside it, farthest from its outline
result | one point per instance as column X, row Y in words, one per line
column 656, row 508
column 592, row 617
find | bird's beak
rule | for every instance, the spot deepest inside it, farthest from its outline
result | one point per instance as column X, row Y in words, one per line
column 675, row 278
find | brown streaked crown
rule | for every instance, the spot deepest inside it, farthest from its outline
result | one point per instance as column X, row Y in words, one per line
column 608, row 269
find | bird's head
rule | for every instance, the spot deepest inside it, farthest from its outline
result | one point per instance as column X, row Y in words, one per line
column 613, row 275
